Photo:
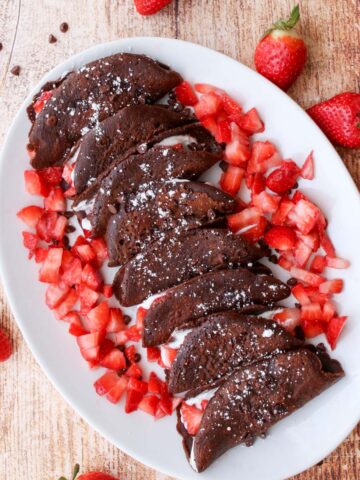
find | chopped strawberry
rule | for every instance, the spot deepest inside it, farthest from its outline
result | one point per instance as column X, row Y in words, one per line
column 328, row 311
column 230, row 181
column 46, row 225
column 30, row 215
column 153, row 354
column 206, row 88
column 326, row 244
column 311, row 240
column 318, row 264
column 302, row 253
column 332, row 286
column 100, row 249
column 73, row 317
column 237, row 151
column 308, row 169
column 58, row 231
column 30, row 241
column 208, row 104
column 66, row 305
column 168, row 355
column 256, row 232
column 40, row 254
column 138, row 385
column 5, row 346
column 285, row 263
column 289, row 318
column 154, row 383
column 72, row 272
column 334, row 262
column 133, row 398
column 258, row 183
column 250, row 122
column 34, row 184
column 87, row 297
column 91, row 277
column 77, row 330
column 55, row 294
column 306, row 276
column 107, row 291
column 223, row 134
column 210, row 124
column 312, row 329
column 115, row 393
column 130, row 353
column 41, row 100
column 281, row 214
column 134, row 371
column 263, row 156
column 133, row 334
column 149, row 404
column 191, row 418
column 55, row 201
column 315, row 296
column 245, row 218
column 52, row 176
column 98, row 317
column 304, row 215
column 119, row 338
column 89, row 345
column 333, row 330
column 185, row 94
column 311, row 312
column 106, row 347
column 85, row 252
column 300, row 294
column 114, row 360
column 106, row 382
column 50, row 270
column 116, row 321
column 280, row 238
column 284, row 178
column 140, row 315
column 266, row 202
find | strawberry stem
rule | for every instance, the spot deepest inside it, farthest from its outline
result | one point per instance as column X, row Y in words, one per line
column 75, row 471
column 286, row 23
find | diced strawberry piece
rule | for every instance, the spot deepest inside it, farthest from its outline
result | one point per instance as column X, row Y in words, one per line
column 73, row 317
column 230, row 106
column 280, row 216
column 46, row 225
column 304, row 215
column 59, row 228
column 67, row 173
column 168, row 355
column 30, row 215
column 280, row 238
column 223, row 131
column 55, row 201
column 256, row 232
column 66, row 305
column 289, row 318
column 210, row 124
column 77, row 330
column 106, row 382
column 52, row 176
column 50, row 270
column 250, row 122
column 262, row 152
column 100, row 249
column 302, row 253
column 55, row 294
column 140, row 315
column 116, row 321
column 133, row 398
column 300, row 294
column 333, row 330
column 266, row 202
column 334, row 262
column 133, row 334
column 311, row 240
column 138, row 385
column 34, row 184
column 318, row 264
column 332, row 286
column 258, row 184
column 85, row 252
column 208, row 104
column 40, row 254
column 154, row 383
column 284, row 178
column 72, row 272
column 91, row 277
column 312, row 329
column 119, row 338
column 328, row 311
column 159, row 411
column 245, row 218
column 70, row 192
column 237, row 152
column 30, row 241
column 311, row 312
column 149, row 404
column 107, row 291
column 153, row 354
column 87, row 297
column 285, row 263
column 134, row 371
column 326, row 244
column 306, row 277
column 90, row 340
column 116, row 392
column 130, row 353
column 98, row 317
column 42, row 99
column 114, row 360
column 80, row 240
column 191, row 418
column 106, row 347
column 185, row 94
column 308, row 169
column 315, row 296
column 230, row 181
column 206, row 88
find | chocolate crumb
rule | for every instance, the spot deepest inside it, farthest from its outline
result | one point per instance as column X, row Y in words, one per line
column 52, row 38
column 16, row 70
column 273, row 259
column 64, row 27
column 299, row 333
column 70, row 229
column 291, row 282
column 127, row 319
column 121, row 348
column 137, row 357
column 297, row 305
column 68, row 214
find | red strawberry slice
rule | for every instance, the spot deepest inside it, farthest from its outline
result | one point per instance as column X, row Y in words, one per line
column 98, row 317
column 106, row 382
column 50, row 270
column 34, row 184
column 138, row 385
column 130, row 353
column 114, row 360
column 333, row 330
column 230, row 106
column 284, row 178
column 185, row 94
column 289, row 318
column 311, row 240
column 326, row 244
column 208, row 104
column 280, row 238
column 30, row 215
column 52, row 176
column 66, row 305
column 76, row 330
column 334, row 262
column 85, row 252
column 258, row 183
column 328, row 311
column 154, row 383
column 168, row 355
column 280, row 216
column 311, row 312
column 91, row 277
column 263, row 156
column 210, row 124
column 237, row 152
column 30, row 241
column 40, row 102
column 306, row 277
column 55, row 294
column 256, row 232
column 116, row 392
column 55, row 201
column 250, row 122
column 304, row 215
column 133, row 398
column 230, row 181
column 46, row 225
column 96, row 476
column 308, row 169
column 206, row 88
column 312, row 329
column 302, row 253
column 140, row 315
column 153, row 354
column 300, row 294
column 72, row 271
column 318, row 264
column 116, row 321
column 332, row 286
column 149, row 404
column 245, row 218
column 223, row 131
column 107, row 291
column 191, row 418
column 87, row 297
column 266, row 202
column 99, row 247
column 90, row 345
column 40, row 254
column 5, row 346
column 134, row 371
column 149, row 7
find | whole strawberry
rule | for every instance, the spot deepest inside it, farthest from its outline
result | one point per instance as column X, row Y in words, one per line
column 89, row 475
column 339, row 118
column 5, row 346
column 149, row 7
column 281, row 54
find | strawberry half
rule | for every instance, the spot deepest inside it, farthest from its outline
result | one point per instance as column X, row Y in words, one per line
column 191, row 418
column 5, row 346
column 149, row 7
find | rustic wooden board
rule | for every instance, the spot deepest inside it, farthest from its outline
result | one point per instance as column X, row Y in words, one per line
column 41, row 437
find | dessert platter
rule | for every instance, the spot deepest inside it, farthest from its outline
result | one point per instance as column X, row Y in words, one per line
column 195, row 233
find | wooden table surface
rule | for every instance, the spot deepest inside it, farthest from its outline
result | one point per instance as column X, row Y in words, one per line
column 40, row 435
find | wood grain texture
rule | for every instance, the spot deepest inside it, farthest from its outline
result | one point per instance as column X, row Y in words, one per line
column 41, row 437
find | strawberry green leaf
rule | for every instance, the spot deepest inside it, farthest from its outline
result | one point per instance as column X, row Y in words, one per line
column 75, row 471
column 62, row 478
column 286, row 24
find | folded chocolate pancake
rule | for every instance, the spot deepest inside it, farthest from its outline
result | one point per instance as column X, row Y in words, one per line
column 174, row 259
column 123, row 132
column 209, row 293
column 86, row 97
column 222, row 344
column 98, row 202
column 157, row 208
column 256, row 397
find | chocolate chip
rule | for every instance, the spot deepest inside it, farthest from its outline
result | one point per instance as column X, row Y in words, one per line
column 16, row 70
column 291, row 282
column 299, row 333
column 137, row 357
column 127, row 319
column 297, row 305
column 121, row 371
column 66, row 241
column 64, row 27
column 52, row 38
column 296, row 185
column 51, row 121
column 273, row 259
column 223, row 165
column 1, row 46
column 70, row 229
column 68, row 214
column 121, row 348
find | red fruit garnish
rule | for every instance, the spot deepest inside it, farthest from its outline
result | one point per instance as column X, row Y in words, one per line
column 153, row 354
column 138, row 385
column 5, row 346
column 134, row 371
column 230, row 181
column 116, row 321
column 91, row 277
column 334, row 262
column 333, row 330
column 66, row 305
column 281, row 214
column 263, row 156
column 237, row 152
column 208, row 104
column 280, row 238
column 318, row 264
column 304, row 215
column 168, row 356
column 300, row 294
column 191, row 418
column 246, row 218
column 339, row 118
column 42, row 99
column 266, row 202
column 154, row 383
column 284, row 178
column 140, row 315
column 289, row 318
column 149, row 404
column 55, row 294
column 306, row 277
column 185, row 94
column 250, row 122
column 280, row 56
column 311, row 312
column 116, row 392
column 98, row 317
column 106, row 382
column 149, row 7
column 133, row 398
column 30, row 215
column 312, row 329
column 114, row 360
column 50, row 270
column 302, row 253
column 308, row 169
column 34, row 184
column 332, row 286
column 87, row 297
column 55, row 201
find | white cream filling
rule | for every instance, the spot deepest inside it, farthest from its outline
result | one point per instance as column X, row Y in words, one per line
column 269, row 315
column 207, row 395
column 85, row 224
column 178, row 338
column 85, row 206
column 175, row 139
column 192, row 460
